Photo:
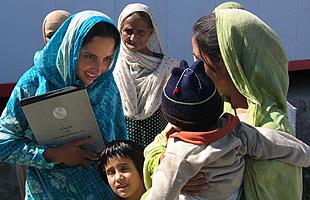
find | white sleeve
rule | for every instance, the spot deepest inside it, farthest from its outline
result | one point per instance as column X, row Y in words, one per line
column 292, row 115
column 171, row 175
column 264, row 143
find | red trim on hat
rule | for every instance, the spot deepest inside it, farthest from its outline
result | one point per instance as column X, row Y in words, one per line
column 175, row 91
column 207, row 137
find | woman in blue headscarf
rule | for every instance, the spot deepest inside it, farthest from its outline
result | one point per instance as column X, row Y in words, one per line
column 82, row 52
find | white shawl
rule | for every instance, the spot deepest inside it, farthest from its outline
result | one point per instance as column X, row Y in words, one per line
column 141, row 78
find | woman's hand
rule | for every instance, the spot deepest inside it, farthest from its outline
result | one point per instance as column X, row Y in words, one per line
column 70, row 153
column 195, row 185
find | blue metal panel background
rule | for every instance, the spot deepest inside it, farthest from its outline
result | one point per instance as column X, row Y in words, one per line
column 20, row 32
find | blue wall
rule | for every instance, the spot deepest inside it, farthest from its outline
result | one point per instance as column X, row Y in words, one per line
column 21, row 25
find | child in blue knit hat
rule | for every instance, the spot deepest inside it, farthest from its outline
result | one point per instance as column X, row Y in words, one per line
column 202, row 139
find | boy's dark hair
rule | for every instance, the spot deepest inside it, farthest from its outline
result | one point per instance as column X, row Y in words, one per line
column 102, row 29
column 204, row 31
column 123, row 148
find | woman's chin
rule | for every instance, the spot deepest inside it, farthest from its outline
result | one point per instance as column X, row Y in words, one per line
column 87, row 82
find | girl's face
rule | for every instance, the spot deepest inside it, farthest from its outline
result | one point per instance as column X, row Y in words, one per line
column 136, row 33
column 217, row 72
column 95, row 59
column 124, row 178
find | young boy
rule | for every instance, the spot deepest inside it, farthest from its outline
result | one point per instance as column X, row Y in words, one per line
column 121, row 166
column 201, row 140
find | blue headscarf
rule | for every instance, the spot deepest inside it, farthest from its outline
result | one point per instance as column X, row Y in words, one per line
column 57, row 62
column 55, row 68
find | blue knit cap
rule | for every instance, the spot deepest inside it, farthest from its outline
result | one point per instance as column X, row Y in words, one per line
column 190, row 100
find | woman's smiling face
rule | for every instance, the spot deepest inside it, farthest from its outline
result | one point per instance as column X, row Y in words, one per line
column 95, row 59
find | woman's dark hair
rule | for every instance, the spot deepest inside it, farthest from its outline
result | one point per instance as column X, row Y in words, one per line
column 121, row 148
column 102, row 29
column 204, row 31
column 143, row 15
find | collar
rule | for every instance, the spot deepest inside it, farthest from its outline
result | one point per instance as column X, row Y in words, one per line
column 206, row 137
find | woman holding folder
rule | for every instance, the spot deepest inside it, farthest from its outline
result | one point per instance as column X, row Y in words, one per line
column 82, row 53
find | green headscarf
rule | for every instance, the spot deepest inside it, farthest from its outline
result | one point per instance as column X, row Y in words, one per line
column 257, row 65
